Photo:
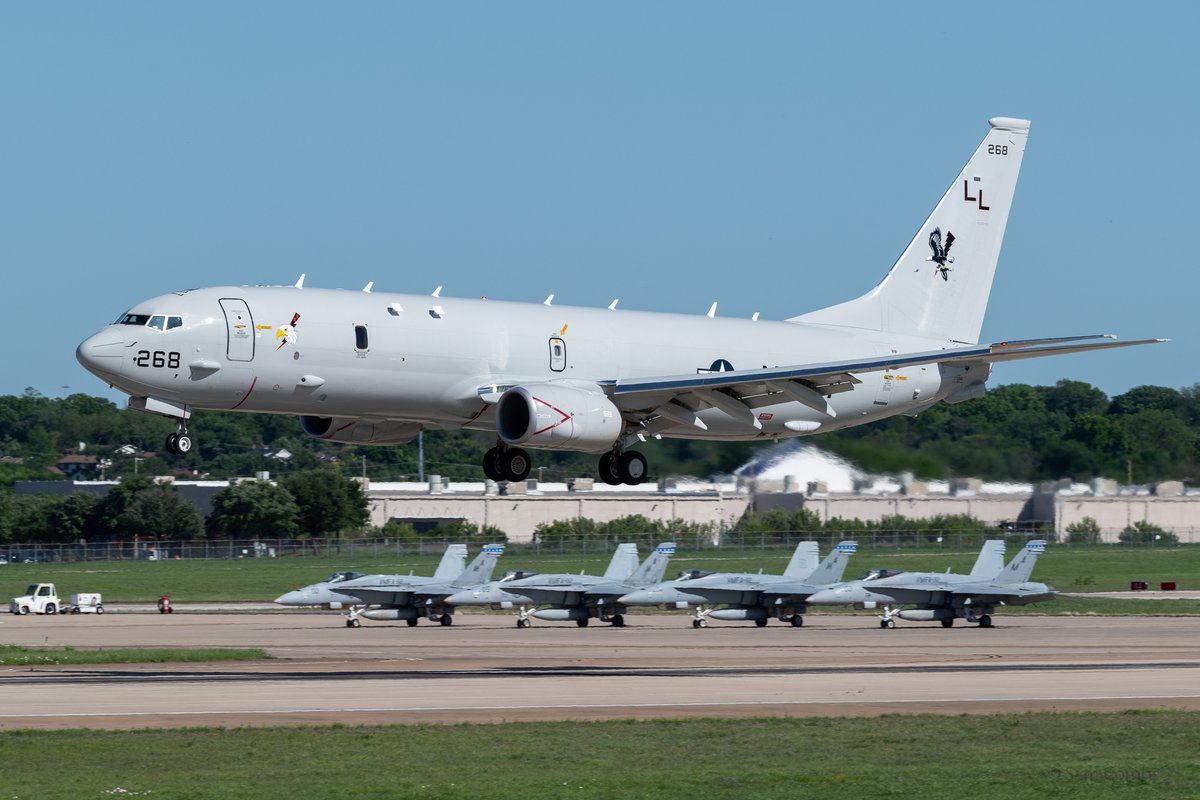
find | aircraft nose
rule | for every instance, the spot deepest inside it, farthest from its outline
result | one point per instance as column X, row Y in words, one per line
column 824, row 597
column 460, row 598
column 101, row 353
column 296, row 598
column 639, row 598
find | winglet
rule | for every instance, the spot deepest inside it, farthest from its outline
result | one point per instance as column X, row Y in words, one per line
column 712, row 312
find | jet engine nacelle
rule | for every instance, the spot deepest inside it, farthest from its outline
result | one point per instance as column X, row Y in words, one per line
column 561, row 614
column 926, row 614
column 385, row 614
column 558, row 416
column 735, row 614
column 357, row 431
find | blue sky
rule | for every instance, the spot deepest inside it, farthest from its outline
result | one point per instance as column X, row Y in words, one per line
column 775, row 157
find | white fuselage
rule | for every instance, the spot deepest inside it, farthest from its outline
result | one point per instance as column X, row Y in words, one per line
column 434, row 361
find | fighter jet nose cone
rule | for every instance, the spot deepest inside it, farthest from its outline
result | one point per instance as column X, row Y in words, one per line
column 101, row 353
column 823, row 597
column 634, row 599
column 290, row 599
column 459, row 598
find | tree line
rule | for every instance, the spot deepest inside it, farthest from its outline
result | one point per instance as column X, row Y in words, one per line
column 317, row 503
column 1016, row 432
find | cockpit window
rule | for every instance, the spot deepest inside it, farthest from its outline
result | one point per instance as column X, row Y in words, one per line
column 158, row 322
column 133, row 319
column 174, row 322
column 877, row 573
column 340, row 577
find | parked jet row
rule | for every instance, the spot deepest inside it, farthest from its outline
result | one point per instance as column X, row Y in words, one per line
column 725, row 596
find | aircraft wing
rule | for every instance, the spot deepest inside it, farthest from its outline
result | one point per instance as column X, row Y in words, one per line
column 808, row 383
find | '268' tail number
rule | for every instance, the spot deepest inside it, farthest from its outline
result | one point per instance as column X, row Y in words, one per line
column 158, row 359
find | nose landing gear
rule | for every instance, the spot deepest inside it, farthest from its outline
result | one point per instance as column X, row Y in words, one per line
column 179, row 443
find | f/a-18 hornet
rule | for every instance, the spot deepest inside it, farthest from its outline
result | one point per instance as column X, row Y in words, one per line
column 374, row 368
column 752, row 596
column 325, row 592
column 406, row 597
column 501, row 594
column 946, row 596
column 583, row 597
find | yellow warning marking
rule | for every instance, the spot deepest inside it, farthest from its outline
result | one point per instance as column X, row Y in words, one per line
column 563, row 331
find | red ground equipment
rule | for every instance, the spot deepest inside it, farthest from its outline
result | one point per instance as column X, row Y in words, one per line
column 164, row 605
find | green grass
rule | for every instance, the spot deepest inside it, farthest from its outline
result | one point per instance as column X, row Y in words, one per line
column 12, row 655
column 1144, row 755
column 1091, row 568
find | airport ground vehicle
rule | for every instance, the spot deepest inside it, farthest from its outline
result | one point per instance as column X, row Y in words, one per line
column 39, row 598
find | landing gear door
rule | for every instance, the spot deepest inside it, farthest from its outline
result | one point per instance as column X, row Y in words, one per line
column 240, row 327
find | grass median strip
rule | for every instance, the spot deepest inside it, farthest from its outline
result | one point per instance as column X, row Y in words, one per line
column 1137, row 754
column 11, row 655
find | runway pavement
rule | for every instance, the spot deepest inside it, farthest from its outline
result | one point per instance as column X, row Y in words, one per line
column 485, row 669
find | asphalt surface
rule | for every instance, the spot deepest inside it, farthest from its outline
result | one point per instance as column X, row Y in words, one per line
column 484, row 669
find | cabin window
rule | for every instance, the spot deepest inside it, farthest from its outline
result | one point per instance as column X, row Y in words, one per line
column 360, row 337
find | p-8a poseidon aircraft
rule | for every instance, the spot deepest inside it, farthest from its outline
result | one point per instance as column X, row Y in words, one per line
column 372, row 368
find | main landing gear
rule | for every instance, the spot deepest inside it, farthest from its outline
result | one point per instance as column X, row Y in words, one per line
column 179, row 443
column 506, row 464
column 503, row 463
column 616, row 468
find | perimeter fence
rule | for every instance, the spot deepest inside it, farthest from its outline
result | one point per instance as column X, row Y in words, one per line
column 347, row 550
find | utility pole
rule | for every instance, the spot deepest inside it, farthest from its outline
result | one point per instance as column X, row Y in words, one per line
column 421, row 456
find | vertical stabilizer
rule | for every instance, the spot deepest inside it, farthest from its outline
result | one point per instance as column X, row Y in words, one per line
column 939, row 287
column 479, row 571
column 1021, row 567
column 991, row 559
column 652, row 569
column 804, row 560
column 453, row 562
column 834, row 566
column 624, row 562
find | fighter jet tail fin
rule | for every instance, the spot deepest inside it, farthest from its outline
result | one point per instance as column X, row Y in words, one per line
column 624, row 561
column 939, row 287
column 654, row 567
column 479, row 571
column 991, row 559
column 806, row 559
column 1021, row 567
column 453, row 562
column 833, row 567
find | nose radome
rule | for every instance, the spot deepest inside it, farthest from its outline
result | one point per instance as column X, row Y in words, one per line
column 101, row 353
column 295, row 598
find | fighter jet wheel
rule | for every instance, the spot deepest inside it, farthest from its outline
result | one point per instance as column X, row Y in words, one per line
column 412, row 623
column 618, row 621
column 985, row 621
column 446, row 620
column 522, row 623
column 699, row 623
column 169, row 444
column 582, row 622
column 491, row 465
column 887, row 623
column 797, row 621
column 631, row 467
column 353, row 623
column 608, row 469
column 762, row 623
column 514, row 464
column 183, row 444
column 946, row 623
